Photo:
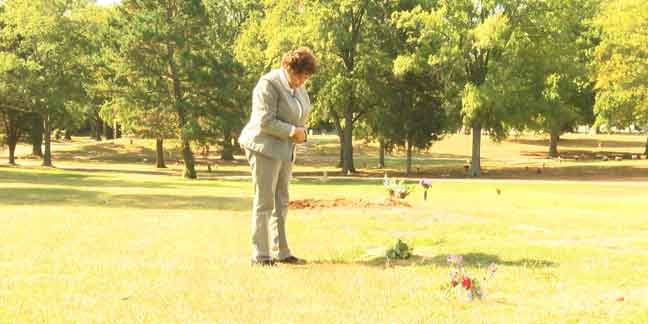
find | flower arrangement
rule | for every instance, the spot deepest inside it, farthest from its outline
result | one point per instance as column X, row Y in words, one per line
column 396, row 188
column 462, row 283
column 426, row 184
column 400, row 250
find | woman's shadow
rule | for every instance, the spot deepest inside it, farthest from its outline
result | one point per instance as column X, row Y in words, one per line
column 475, row 259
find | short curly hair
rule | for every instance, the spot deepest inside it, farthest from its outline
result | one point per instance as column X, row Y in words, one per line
column 300, row 61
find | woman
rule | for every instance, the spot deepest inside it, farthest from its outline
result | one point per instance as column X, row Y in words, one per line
column 280, row 107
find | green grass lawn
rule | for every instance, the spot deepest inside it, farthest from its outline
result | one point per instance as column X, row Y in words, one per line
column 89, row 246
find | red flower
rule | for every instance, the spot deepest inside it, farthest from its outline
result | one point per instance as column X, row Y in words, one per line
column 465, row 282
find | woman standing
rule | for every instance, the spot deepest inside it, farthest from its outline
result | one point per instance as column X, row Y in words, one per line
column 280, row 107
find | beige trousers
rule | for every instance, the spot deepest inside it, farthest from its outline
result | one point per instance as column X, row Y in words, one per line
column 270, row 179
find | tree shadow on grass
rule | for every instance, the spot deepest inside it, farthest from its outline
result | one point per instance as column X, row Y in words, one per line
column 477, row 259
column 109, row 152
column 50, row 196
column 604, row 171
column 144, row 201
column 88, row 178
column 585, row 155
column 582, row 142
column 89, row 198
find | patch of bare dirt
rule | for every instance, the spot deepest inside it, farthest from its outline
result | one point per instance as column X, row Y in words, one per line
column 345, row 203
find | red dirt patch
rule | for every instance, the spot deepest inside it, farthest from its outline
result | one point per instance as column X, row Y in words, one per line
column 345, row 203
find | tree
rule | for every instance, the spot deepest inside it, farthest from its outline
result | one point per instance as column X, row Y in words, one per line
column 165, row 40
column 13, row 123
column 227, row 103
column 12, row 108
column 100, row 84
column 36, row 135
column 47, row 40
column 150, row 122
column 412, row 110
column 144, row 108
column 346, row 57
column 335, row 30
column 479, row 31
column 619, row 64
column 547, row 70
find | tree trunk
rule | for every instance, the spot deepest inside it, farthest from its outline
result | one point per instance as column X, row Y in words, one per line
column 37, row 135
column 117, row 128
column 341, row 161
column 475, row 167
column 47, row 131
column 553, row 144
column 13, row 133
column 381, row 154
column 189, row 166
column 98, row 126
column 68, row 135
column 12, row 150
column 408, row 163
column 159, row 153
column 228, row 149
column 237, row 146
column 347, row 146
column 108, row 132
column 646, row 149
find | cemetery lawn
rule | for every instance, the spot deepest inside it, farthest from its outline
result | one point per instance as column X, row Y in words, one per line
column 130, row 247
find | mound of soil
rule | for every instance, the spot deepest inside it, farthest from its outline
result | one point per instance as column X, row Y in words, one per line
column 345, row 203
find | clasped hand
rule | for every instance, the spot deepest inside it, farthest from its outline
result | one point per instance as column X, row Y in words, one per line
column 299, row 136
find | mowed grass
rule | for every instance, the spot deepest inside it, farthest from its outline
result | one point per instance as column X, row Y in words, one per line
column 117, row 247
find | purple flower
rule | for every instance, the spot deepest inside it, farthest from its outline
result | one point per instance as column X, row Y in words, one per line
column 455, row 260
column 425, row 182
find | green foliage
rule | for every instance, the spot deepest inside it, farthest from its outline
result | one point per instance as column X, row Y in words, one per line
column 404, row 71
column 619, row 63
column 548, row 65
column 397, row 188
column 42, row 47
column 400, row 251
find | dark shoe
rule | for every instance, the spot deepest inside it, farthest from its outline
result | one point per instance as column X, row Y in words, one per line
column 292, row 260
column 263, row 263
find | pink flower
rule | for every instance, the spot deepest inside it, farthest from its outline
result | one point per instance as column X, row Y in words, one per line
column 492, row 268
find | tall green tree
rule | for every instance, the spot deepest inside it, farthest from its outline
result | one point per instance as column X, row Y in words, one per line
column 46, row 38
column 479, row 32
column 12, row 122
column 228, row 102
column 341, row 43
column 13, row 107
column 620, row 64
column 411, row 109
column 153, row 121
column 167, row 40
column 547, row 69
column 100, row 84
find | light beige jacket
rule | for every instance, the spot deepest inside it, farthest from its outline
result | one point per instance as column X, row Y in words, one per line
column 276, row 109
